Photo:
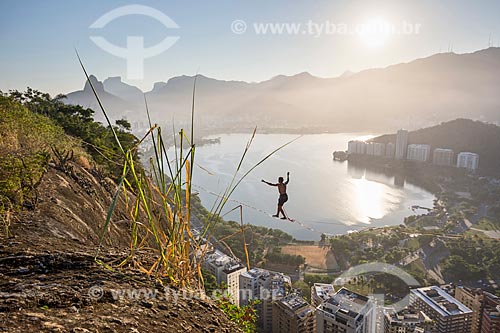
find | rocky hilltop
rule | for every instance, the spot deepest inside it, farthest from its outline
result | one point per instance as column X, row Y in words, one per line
column 50, row 281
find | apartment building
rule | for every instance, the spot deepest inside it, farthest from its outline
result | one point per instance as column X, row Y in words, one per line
column 320, row 292
column 443, row 157
column 292, row 314
column 390, row 149
column 469, row 161
column 447, row 313
column 401, row 145
column 407, row 320
column 419, row 153
column 356, row 147
column 346, row 312
column 226, row 270
column 266, row 286
column 485, row 316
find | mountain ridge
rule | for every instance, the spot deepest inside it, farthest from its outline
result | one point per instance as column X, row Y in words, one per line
column 425, row 91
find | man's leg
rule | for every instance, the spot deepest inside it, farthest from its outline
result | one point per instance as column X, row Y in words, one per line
column 280, row 209
column 277, row 212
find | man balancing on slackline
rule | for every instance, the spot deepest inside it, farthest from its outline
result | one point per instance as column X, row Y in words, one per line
column 283, row 196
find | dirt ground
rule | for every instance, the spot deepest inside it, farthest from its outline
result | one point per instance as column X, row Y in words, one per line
column 318, row 257
column 50, row 282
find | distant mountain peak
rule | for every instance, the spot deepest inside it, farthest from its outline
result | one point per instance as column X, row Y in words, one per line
column 347, row 74
column 304, row 74
column 98, row 85
column 114, row 79
column 283, row 76
column 179, row 78
column 158, row 86
column 127, row 92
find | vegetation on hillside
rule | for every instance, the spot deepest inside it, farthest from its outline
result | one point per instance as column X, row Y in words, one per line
column 36, row 130
column 27, row 143
column 78, row 122
column 472, row 258
column 369, row 246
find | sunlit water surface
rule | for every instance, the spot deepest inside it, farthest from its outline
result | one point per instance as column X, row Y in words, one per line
column 324, row 195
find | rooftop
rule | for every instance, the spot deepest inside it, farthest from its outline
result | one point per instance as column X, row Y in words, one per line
column 253, row 273
column 349, row 302
column 408, row 316
column 233, row 267
column 323, row 290
column 418, row 145
column 219, row 259
column 297, row 305
column 472, row 291
column 264, row 275
column 441, row 301
column 467, row 153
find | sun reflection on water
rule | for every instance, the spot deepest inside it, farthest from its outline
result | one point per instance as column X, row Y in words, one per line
column 370, row 200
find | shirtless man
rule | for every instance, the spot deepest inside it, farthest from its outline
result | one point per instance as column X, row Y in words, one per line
column 283, row 196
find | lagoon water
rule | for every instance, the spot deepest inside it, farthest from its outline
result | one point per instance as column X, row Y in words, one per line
column 324, row 195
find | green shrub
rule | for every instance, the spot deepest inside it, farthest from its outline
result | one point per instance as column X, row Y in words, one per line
column 26, row 140
column 244, row 316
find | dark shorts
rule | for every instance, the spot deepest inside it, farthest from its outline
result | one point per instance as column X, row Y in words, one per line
column 282, row 199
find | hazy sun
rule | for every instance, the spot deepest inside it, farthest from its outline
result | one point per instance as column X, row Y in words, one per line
column 375, row 32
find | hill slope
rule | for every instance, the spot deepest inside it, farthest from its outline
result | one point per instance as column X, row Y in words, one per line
column 50, row 280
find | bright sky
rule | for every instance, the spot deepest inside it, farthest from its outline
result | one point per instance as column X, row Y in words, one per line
column 37, row 38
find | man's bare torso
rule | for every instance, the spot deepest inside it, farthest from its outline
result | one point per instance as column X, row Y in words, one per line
column 282, row 188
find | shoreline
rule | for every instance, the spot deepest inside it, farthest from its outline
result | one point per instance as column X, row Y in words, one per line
column 390, row 168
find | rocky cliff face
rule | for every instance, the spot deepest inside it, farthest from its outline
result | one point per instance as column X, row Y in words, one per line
column 50, row 282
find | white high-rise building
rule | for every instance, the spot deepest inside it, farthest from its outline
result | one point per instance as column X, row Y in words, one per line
column 401, row 144
column 249, row 286
column 266, row 286
column 347, row 312
column 467, row 160
column 418, row 153
column 390, row 148
column 231, row 277
column 369, row 148
column 442, row 156
column 448, row 315
column 226, row 270
column 375, row 149
column 356, row 147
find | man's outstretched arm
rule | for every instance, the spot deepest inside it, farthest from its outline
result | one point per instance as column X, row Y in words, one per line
column 268, row 183
column 287, row 178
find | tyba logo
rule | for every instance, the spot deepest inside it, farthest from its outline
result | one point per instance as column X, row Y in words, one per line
column 135, row 53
